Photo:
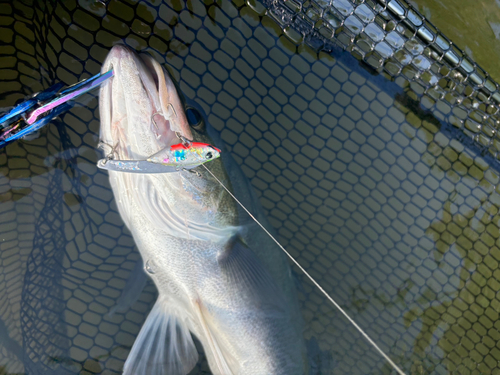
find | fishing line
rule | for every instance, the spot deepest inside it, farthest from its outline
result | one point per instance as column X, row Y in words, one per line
column 363, row 333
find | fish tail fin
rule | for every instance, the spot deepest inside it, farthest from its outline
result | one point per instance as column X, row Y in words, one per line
column 164, row 345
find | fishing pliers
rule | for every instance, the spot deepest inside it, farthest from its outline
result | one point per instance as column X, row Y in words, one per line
column 36, row 112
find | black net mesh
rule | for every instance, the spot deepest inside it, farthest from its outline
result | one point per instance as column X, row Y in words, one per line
column 376, row 166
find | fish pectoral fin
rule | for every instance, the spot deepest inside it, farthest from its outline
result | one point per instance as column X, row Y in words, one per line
column 214, row 350
column 164, row 345
column 243, row 269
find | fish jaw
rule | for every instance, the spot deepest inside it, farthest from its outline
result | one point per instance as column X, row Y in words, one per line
column 139, row 107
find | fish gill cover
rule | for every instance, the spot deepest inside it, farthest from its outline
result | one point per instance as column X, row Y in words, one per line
column 370, row 139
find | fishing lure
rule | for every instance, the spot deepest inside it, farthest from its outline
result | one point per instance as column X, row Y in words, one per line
column 183, row 156
column 36, row 112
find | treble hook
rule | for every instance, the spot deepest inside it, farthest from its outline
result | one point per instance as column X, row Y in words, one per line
column 153, row 119
column 170, row 106
column 198, row 174
column 109, row 156
column 185, row 142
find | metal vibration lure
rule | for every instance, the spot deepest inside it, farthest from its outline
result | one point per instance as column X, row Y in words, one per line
column 183, row 156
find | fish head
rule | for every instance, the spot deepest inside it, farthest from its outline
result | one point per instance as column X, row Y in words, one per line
column 142, row 114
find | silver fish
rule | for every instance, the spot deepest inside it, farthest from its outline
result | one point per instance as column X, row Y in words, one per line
column 237, row 300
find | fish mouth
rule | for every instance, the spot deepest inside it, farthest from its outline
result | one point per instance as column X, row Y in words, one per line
column 141, row 112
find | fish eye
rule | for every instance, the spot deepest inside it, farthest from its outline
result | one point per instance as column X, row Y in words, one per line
column 195, row 119
column 209, row 155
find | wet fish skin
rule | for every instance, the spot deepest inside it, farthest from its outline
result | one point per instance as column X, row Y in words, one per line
column 189, row 234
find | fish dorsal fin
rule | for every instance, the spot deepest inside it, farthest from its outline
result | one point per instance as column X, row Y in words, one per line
column 164, row 345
